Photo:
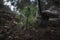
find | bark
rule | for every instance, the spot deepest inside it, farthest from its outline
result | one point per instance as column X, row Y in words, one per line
column 43, row 20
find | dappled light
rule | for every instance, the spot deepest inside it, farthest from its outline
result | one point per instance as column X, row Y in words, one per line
column 29, row 20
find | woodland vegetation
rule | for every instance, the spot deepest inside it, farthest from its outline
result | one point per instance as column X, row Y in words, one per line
column 30, row 20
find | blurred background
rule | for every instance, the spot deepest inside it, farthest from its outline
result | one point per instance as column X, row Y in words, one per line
column 29, row 20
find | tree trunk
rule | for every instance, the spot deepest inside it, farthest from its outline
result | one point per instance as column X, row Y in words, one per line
column 43, row 17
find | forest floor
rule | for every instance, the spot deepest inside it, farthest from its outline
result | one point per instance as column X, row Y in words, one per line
column 41, row 34
column 50, row 33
